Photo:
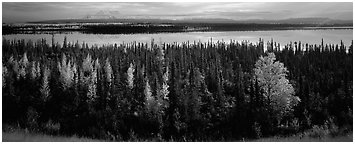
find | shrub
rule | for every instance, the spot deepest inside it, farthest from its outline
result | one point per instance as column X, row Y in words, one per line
column 257, row 130
column 295, row 125
column 318, row 131
column 132, row 136
column 31, row 118
column 51, row 127
column 332, row 127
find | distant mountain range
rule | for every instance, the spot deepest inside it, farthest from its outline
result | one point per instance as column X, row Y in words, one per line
column 308, row 21
column 103, row 17
column 100, row 15
column 284, row 21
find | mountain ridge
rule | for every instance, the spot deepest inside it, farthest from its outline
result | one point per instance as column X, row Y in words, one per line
column 111, row 19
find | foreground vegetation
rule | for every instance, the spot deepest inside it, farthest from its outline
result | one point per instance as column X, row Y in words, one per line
column 312, row 135
column 297, row 138
column 24, row 135
column 32, row 137
column 181, row 92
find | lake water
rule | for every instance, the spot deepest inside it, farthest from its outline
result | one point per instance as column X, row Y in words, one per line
column 333, row 36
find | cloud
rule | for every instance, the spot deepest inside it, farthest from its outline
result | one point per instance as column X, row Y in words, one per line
column 19, row 11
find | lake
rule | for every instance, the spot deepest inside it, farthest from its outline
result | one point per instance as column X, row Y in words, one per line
column 333, row 36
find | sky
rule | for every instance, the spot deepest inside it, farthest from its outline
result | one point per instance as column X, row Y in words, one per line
column 14, row 12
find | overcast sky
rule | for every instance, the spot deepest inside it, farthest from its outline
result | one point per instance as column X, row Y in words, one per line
column 23, row 12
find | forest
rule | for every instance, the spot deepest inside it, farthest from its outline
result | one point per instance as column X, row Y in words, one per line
column 190, row 91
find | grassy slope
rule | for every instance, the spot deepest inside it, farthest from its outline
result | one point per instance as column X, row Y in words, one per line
column 299, row 138
column 22, row 136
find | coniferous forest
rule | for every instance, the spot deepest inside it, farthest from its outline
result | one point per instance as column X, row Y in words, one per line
column 191, row 91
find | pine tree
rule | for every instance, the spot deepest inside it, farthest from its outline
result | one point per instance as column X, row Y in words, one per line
column 76, row 74
column 4, row 75
column 165, row 86
column 65, row 45
column 38, row 69
column 108, row 77
column 160, row 54
column 195, row 95
column 14, row 66
column 23, row 65
column 87, row 65
column 89, row 77
column 45, row 90
column 66, row 73
column 162, row 93
column 149, row 99
column 92, row 86
column 108, row 72
column 97, row 65
column 130, row 76
column 33, row 71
